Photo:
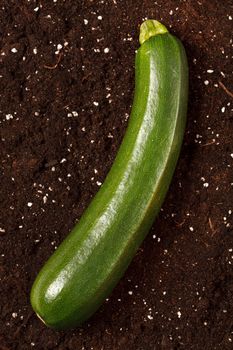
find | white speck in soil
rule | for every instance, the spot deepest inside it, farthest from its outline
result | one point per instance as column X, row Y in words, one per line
column 9, row 116
column 179, row 314
column 29, row 204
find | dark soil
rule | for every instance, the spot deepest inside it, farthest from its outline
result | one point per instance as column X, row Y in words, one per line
column 57, row 144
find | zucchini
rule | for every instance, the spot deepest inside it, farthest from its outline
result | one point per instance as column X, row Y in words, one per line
column 90, row 261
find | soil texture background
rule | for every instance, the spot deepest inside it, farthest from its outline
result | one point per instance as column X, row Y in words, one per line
column 66, row 90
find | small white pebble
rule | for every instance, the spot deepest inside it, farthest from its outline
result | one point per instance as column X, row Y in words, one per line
column 231, row 155
column 36, row 9
column 210, row 71
column 59, row 47
column 191, row 228
column 98, row 183
column 9, row 116
column 130, row 292
column 206, row 82
column 14, row 314
column 223, row 109
column 14, row 50
column 206, row 184
column 100, row 18
column 150, row 317
column 29, row 204
column 85, row 21
column 2, row 230
column 179, row 314
column 106, row 50
column 45, row 199
column 35, row 51
column 96, row 103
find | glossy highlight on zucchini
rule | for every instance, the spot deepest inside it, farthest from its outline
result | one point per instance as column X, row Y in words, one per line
column 85, row 268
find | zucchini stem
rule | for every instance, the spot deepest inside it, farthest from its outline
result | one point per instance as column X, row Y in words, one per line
column 151, row 28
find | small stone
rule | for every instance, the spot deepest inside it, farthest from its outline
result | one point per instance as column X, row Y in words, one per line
column 9, row 116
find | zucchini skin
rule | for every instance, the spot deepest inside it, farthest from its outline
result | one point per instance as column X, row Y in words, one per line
column 90, row 261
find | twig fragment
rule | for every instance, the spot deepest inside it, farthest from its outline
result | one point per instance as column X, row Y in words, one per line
column 228, row 92
column 55, row 66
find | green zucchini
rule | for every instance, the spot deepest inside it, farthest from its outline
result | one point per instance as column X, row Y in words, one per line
column 90, row 261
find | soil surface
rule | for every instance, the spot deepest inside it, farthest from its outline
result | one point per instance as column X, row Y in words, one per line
column 66, row 89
